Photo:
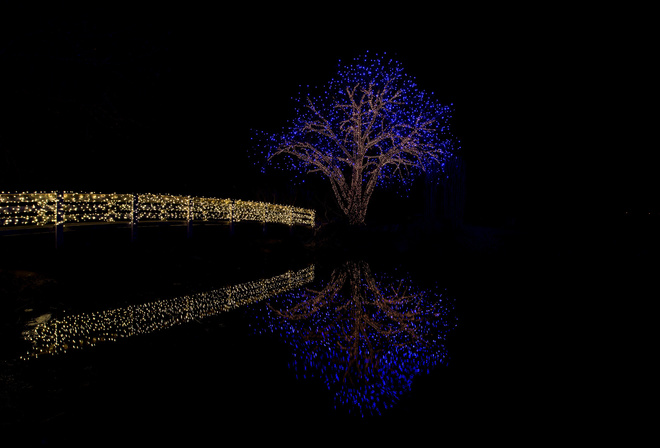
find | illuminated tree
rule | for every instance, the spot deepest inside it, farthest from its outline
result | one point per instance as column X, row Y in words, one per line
column 365, row 336
column 369, row 126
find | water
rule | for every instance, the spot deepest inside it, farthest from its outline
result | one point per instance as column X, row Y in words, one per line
column 365, row 336
column 367, row 348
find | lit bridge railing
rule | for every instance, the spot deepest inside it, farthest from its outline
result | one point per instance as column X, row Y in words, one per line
column 84, row 330
column 61, row 208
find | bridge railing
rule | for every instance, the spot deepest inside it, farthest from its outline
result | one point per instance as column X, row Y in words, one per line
column 28, row 208
column 61, row 208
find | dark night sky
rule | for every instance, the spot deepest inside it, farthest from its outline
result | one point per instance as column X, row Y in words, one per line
column 137, row 102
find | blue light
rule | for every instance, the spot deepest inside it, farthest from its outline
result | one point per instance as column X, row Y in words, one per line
column 391, row 104
column 367, row 347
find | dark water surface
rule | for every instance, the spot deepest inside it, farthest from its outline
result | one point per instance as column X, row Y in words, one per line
column 206, row 345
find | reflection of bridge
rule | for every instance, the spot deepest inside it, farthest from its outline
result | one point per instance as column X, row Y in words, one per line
column 58, row 209
column 81, row 330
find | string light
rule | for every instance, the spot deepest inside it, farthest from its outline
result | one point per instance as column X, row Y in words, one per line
column 85, row 330
column 371, row 125
column 36, row 208
column 40, row 208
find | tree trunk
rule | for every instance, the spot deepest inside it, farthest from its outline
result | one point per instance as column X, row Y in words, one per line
column 357, row 210
column 357, row 219
column 353, row 196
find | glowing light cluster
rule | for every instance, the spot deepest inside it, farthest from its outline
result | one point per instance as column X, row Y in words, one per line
column 161, row 207
column 84, row 330
column 83, row 207
column 27, row 208
column 366, row 336
column 264, row 212
column 42, row 209
column 207, row 209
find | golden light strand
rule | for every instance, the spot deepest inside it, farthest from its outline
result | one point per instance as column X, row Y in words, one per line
column 84, row 330
column 39, row 209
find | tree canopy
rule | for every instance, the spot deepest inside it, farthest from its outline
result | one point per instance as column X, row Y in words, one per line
column 371, row 125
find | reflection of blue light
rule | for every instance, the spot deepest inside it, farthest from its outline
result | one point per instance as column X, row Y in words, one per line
column 366, row 346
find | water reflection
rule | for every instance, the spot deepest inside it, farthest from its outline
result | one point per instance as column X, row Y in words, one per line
column 366, row 336
column 82, row 330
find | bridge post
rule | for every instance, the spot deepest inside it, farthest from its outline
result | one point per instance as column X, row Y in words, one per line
column 231, row 218
column 59, row 220
column 134, row 217
column 189, row 220
column 265, row 218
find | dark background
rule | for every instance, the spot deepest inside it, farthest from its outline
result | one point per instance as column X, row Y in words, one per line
column 552, row 109
column 153, row 100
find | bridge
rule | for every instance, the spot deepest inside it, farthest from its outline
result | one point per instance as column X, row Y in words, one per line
column 57, row 209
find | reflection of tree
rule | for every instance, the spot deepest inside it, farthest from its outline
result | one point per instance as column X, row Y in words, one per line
column 367, row 337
